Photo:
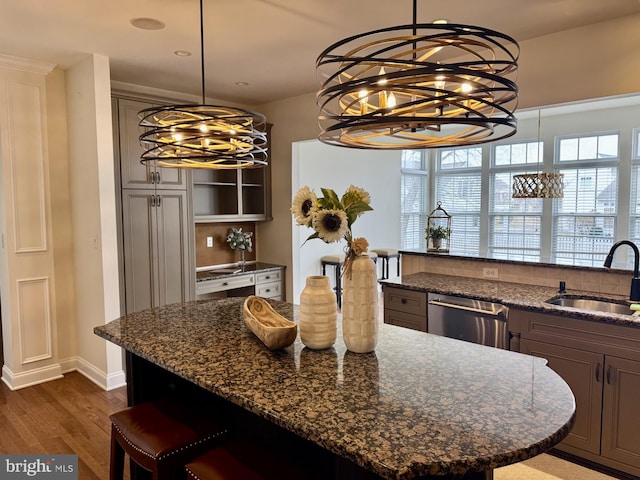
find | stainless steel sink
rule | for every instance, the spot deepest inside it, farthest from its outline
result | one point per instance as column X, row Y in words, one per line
column 591, row 304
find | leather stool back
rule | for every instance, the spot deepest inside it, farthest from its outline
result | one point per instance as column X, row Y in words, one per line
column 161, row 437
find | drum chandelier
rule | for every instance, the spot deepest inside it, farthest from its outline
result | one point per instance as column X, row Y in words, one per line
column 203, row 136
column 418, row 86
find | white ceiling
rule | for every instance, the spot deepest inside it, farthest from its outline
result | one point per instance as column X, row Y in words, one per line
column 271, row 44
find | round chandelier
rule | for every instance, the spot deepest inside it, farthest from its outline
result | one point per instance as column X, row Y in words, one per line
column 418, row 86
column 203, row 136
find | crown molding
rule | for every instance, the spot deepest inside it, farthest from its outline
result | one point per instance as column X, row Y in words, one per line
column 24, row 64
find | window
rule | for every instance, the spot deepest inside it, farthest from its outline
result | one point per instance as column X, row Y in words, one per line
column 634, row 224
column 458, row 186
column 514, row 224
column 414, row 191
column 584, row 221
column 597, row 151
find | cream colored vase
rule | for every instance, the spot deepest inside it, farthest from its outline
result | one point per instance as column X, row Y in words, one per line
column 318, row 313
column 360, row 306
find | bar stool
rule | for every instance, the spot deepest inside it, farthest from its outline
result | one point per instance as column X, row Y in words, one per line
column 161, row 437
column 335, row 261
column 385, row 254
column 246, row 460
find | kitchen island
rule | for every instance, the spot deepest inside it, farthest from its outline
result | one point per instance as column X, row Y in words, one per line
column 419, row 406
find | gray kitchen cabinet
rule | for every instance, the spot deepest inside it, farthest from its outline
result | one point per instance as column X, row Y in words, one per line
column 133, row 173
column 156, row 248
column 405, row 308
column 620, row 417
column 583, row 372
column 156, row 224
column 263, row 283
column 601, row 363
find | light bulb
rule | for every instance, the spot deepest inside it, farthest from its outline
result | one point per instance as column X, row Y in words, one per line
column 383, row 80
column 466, row 88
column 203, row 128
column 363, row 96
column 391, row 101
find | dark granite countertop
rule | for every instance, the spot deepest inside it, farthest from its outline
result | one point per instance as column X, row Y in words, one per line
column 419, row 405
column 232, row 271
column 516, row 295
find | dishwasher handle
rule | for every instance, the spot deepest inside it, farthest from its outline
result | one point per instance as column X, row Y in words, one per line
column 499, row 313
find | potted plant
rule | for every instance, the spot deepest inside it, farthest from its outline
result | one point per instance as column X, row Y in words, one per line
column 437, row 234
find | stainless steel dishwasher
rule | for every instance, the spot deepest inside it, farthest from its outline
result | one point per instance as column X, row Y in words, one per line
column 467, row 319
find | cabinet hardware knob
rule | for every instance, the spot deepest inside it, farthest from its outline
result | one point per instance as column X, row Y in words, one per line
column 609, row 375
column 267, row 277
column 225, row 284
column 268, row 290
column 598, row 372
column 403, row 301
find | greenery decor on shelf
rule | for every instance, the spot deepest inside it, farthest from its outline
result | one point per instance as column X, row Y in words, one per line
column 438, row 233
column 332, row 218
column 239, row 240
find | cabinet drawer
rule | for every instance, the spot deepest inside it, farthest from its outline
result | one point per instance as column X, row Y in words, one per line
column 407, row 320
column 226, row 283
column 269, row 290
column 268, row 277
column 405, row 301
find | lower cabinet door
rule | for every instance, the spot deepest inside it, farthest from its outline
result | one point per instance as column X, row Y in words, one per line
column 584, row 372
column 621, row 418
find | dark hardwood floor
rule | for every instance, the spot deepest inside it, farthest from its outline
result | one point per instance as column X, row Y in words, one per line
column 70, row 415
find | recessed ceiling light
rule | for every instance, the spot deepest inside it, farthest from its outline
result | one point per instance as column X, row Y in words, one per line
column 147, row 23
column 242, row 84
column 182, row 53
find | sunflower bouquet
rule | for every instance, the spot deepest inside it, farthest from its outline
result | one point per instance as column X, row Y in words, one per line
column 332, row 217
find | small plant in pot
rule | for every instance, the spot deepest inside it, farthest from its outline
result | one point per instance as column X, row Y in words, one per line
column 437, row 234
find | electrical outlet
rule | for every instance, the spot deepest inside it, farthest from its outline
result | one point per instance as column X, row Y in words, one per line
column 209, row 242
column 490, row 272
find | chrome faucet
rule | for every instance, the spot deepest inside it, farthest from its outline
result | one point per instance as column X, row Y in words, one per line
column 634, row 296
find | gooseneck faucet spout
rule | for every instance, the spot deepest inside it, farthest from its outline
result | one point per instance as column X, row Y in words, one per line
column 634, row 296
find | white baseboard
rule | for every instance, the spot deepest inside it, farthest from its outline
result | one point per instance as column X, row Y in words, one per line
column 97, row 376
column 16, row 381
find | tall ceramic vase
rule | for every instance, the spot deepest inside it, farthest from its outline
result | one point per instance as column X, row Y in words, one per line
column 360, row 306
column 318, row 313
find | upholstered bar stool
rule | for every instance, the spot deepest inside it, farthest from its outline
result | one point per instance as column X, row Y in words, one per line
column 244, row 459
column 385, row 254
column 335, row 261
column 161, row 437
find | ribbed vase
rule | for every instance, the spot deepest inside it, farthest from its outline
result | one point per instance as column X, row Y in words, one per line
column 318, row 313
column 360, row 306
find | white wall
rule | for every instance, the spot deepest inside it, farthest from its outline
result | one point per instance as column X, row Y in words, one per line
column 94, row 217
column 323, row 166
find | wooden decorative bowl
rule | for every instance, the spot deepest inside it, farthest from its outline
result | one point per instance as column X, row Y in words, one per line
column 273, row 329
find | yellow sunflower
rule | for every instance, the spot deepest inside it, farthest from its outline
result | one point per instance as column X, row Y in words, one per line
column 331, row 225
column 304, row 205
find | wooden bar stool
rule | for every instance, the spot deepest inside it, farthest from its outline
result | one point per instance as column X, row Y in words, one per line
column 161, row 437
column 385, row 254
column 244, row 459
column 335, row 261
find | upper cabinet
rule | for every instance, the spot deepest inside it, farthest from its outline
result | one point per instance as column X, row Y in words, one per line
column 133, row 173
column 232, row 195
